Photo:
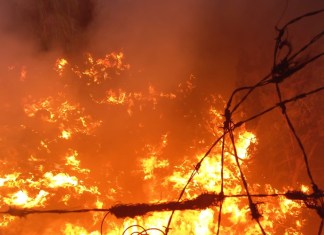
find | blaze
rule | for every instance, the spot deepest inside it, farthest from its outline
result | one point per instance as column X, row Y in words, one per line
column 60, row 65
column 65, row 134
column 22, row 199
column 57, row 176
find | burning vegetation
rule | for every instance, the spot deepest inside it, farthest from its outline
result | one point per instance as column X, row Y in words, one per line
column 98, row 140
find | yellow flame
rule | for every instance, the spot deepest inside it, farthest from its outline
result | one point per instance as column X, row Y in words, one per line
column 151, row 163
column 22, row 199
column 9, row 178
column 71, row 160
column 60, row 65
column 60, row 180
column 71, row 229
column 70, row 119
column 66, row 134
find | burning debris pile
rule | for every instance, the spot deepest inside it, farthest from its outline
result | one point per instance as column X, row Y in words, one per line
column 68, row 131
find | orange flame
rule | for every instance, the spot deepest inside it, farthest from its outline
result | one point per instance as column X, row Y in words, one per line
column 62, row 183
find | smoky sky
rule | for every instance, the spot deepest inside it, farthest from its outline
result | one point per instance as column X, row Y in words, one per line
column 170, row 39
column 166, row 40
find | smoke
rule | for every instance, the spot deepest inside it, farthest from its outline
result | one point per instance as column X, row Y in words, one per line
column 223, row 44
column 167, row 41
column 171, row 39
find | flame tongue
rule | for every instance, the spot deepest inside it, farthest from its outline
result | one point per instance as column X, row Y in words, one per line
column 62, row 134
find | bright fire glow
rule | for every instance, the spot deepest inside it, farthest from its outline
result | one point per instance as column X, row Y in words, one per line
column 53, row 176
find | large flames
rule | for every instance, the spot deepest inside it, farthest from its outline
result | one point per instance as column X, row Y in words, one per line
column 59, row 128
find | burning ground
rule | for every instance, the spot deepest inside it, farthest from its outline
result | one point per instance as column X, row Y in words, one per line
column 124, row 115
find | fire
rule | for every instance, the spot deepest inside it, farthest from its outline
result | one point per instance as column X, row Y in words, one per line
column 98, row 71
column 65, row 134
column 11, row 179
column 56, row 175
column 114, row 98
column 151, row 163
column 71, row 229
column 60, row 179
column 60, row 66
column 21, row 198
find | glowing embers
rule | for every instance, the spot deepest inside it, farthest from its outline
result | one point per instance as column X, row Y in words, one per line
column 60, row 65
column 65, row 134
column 97, row 78
column 132, row 99
column 95, row 71
column 68, row 118
column 99, row 70
column 118, row 97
